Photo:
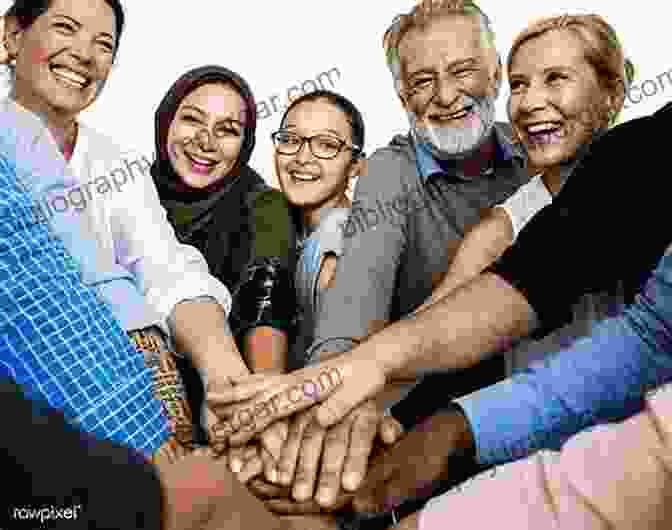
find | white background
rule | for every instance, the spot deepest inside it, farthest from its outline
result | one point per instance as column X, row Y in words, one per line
column 275, row 45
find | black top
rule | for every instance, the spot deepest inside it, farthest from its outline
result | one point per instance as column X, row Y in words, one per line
column 48, row 464
column 602, row 228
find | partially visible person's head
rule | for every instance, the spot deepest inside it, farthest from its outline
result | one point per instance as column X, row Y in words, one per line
column 61, row 52
column 568, row 79
column 317, row 172
column 447, row 74
column 205, row 129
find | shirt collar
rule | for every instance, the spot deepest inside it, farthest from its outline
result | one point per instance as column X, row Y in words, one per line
column 507, row 152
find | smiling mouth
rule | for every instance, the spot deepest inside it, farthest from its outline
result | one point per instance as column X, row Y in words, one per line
column 446, row 117
column 201, row 165
column 303, row 177
column 70, row 78
column 544, row 133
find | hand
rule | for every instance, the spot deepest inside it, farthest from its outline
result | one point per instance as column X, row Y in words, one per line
column 278, row 499
column 414, row 465
column 201, row 493
column 343, row 452
column 339, row 384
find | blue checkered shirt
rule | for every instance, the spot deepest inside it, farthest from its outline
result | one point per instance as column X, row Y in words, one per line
column 59, row 341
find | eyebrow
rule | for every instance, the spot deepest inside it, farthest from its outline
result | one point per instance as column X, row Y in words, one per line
column 79, row 25
column 545, row 71
column 472, row 61
column 326, row 130
column 203, row 113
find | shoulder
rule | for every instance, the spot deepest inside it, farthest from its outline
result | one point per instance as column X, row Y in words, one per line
column 105, row 150
column 390, row 167
column 269, row 200
column 330, row 231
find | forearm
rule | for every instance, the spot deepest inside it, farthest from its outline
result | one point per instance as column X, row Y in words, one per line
column 202, row 332
column 265, row 349
column 480, row 318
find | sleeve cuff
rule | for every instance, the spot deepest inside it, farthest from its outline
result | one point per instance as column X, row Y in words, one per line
column 212, row 291
column 339, row 345
column 498, row 422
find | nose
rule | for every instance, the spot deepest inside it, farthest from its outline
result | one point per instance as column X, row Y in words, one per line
column 534, row 98
column 304, row 154
column 82, row 49
column 445, row 92
column 204, row 139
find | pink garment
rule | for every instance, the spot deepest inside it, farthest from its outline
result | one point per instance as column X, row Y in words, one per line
column 611, row 477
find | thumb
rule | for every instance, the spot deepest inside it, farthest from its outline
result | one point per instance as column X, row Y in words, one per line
column 390, row 430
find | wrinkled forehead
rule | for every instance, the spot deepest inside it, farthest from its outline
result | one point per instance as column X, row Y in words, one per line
column 438, row 43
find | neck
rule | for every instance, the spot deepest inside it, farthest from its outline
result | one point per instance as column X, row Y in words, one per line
column 552, row 179
column 313, row 215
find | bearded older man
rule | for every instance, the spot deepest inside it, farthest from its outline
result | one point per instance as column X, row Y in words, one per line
column 421, row 194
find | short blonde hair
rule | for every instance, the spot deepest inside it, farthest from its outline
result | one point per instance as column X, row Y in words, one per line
column 603, row 52
column 423, row 14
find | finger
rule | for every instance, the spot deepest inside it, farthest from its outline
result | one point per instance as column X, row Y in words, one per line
column 290, row 507
column 240, row 391
column 309, row 458
column 336, row 444
column 286, row 402
column 250, row 452
column 390, row 430
column 362, row 435
column 262, row 489
column 380, row 471
column 218, row 434
column 270, row 466
column 273, row 439
column 342, row 400
column 290, row 452
column 252, row 468
column 236, row 459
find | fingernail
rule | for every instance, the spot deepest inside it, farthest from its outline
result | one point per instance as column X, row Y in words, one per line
column 323, row 496
column 351, row 481
column 302, row 492
column 236, row 465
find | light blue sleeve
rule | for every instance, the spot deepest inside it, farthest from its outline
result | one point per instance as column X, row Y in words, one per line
column 600, row 378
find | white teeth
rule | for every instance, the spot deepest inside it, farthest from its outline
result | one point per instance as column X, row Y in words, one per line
column 542, row 127
column 455, row 116
column 303, row 176
column 201, row 161
column 72, row 78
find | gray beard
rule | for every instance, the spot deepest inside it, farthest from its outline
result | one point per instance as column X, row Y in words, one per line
column 452, row 143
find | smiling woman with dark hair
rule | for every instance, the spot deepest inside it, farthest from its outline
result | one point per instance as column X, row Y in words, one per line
column 60, row 54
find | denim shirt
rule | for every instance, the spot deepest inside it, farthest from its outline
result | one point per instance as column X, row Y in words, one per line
column 601, row 378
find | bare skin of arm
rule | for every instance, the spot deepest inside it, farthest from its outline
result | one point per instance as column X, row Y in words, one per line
column 265, row 350
column 481, row 247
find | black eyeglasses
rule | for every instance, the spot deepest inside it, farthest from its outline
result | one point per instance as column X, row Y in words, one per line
column 321, row 145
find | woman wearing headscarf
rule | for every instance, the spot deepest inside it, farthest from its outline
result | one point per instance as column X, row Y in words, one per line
column 205, row 134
